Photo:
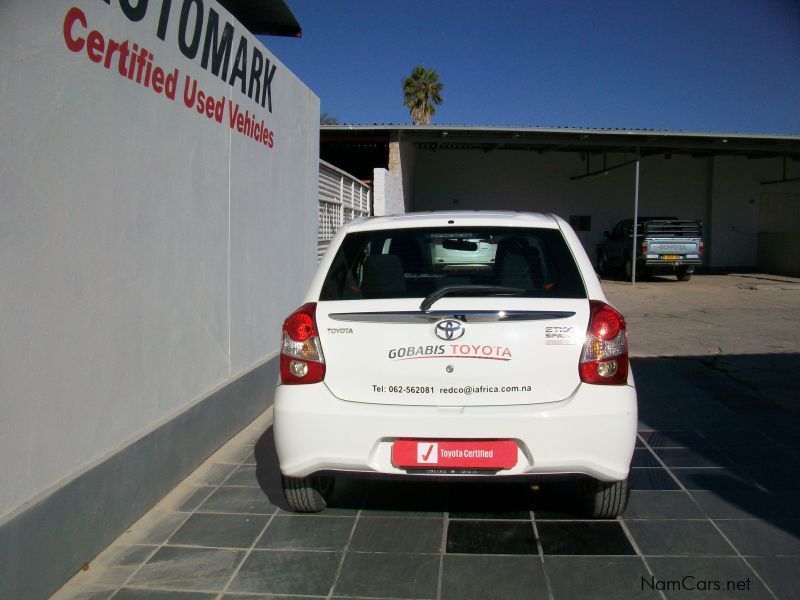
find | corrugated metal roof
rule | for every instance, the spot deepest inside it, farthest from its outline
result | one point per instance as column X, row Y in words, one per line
column 528, row 129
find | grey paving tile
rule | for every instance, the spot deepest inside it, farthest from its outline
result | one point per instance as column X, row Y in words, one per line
column 652, row 479
column 120, row 555
column 388, row 575
column 705, row 577
column 239, row 500
column 298, row 532
column 675, row 439
column 612, row 577
column 194, row 499
column 219, row 531
column 154, row 528
column 238, row 596
column 689, row 457
column 662, row 421
column 781, row 573
column 211, row 474
column 103, row 576
column 741, row 504
column 386, row 534
column 287, row 572
column 271, row 597
column 712, row 479
column 647, row 504
column 205, row 569
column 141, row 594
column 243, row 476
column 735, row 442
column 679, row 538
column 579, row 538
column 777, row 474
column 762, row 538
column 390, row 498
column 642, row 457
column 490, row 501
column 232, row 454
column 491, row 577
column 73, row 591
column 491, row 537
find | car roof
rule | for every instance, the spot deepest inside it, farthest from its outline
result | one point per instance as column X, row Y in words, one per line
column 454, row 218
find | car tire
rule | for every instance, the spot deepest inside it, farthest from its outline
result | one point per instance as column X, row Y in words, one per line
column 307, row 494
column 683, row 274
column 602, row 266
column 606, row 499
column 628, row 268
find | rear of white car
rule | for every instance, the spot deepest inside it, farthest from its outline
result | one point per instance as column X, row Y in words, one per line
column 511, row 368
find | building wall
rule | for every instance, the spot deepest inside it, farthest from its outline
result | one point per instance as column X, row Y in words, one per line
column 144, row 244
column 779, row 233
column 723, row 192
column 514, row 180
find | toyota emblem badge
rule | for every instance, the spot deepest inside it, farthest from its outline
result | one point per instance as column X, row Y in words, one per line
column 448, row 330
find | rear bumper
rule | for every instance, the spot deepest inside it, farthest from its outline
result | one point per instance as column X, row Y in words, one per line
column 683, row 262
column 593, row 432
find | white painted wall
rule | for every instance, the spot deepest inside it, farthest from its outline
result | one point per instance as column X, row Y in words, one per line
column 388, row 193
column 735, row 193
column 147, row 253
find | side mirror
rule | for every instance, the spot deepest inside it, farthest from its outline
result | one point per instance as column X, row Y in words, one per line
column 606, row 235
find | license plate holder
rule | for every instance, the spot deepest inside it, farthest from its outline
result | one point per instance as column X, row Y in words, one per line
column 489, row 455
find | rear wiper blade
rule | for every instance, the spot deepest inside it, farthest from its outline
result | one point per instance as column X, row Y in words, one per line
column 478, row 290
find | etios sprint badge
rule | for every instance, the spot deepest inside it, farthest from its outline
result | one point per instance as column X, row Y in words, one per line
column 559, row 336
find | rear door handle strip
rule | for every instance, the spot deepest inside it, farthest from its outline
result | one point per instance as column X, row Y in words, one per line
column 468, row 316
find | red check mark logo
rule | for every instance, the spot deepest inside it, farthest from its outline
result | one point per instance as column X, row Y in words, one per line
column 427, row 455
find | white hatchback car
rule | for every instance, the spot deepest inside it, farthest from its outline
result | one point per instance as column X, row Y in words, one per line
column 397, row 367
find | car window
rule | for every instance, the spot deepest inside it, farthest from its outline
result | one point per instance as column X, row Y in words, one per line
column 410, row 263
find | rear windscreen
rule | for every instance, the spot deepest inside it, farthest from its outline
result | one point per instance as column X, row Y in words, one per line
column 413, row 263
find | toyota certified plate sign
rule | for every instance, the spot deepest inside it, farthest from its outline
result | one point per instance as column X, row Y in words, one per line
column 464, row 454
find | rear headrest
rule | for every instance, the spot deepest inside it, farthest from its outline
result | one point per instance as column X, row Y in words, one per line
column 383, row 275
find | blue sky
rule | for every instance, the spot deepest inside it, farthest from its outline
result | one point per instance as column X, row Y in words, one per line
column 703, row 65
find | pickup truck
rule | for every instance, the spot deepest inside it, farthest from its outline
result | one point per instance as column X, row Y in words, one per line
column 663, row 244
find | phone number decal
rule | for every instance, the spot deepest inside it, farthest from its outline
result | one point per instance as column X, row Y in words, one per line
column 403, row 389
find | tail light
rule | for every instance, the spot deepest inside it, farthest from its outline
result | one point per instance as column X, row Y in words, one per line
column 301, row 351
column 644, row 247
column 700, row 249
column 605, row 354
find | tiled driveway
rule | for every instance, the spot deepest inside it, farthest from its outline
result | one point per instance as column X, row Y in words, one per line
column 713, row 514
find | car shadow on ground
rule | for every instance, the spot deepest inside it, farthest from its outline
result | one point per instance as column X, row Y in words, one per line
column 724, row 430
column 479, row 499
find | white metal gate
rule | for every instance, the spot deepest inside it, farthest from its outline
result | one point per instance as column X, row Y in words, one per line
column 342, row 198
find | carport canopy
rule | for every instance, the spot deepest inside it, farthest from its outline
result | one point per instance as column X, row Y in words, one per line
column 359, row 148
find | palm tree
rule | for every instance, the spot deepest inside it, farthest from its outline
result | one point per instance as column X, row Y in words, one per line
column 327, row 119
column 421, row 93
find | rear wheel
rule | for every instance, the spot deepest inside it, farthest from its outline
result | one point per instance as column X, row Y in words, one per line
column 628, row 268
column 602, row 266
column 683, row 274
column 605, row 499
column 307, row 494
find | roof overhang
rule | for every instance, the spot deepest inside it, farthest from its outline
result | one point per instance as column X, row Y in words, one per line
column 543, row 139
column 264, row 17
